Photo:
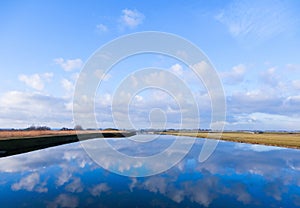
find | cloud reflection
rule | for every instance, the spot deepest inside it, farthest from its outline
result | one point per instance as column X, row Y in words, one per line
column 239, row 174
column 31, row 182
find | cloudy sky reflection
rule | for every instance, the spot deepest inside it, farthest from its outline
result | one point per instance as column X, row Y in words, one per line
column 235, row 175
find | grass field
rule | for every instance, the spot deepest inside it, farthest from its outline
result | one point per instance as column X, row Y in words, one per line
column 21, row 134
column 24, row 134
column 290, row 140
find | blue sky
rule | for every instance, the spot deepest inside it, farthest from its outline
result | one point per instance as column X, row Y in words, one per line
column 254, row 46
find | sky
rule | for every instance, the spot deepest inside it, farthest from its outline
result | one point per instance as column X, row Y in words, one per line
column 253, row 45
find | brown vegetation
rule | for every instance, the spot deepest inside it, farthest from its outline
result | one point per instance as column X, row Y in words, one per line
column 290, row 140
column 19, row 134
column 33, row 133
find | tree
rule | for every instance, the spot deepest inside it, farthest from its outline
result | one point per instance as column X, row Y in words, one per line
column 78, row 127
column 43, row 128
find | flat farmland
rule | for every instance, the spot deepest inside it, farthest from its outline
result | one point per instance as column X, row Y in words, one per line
column 290, row 140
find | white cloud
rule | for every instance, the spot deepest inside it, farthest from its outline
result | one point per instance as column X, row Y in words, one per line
column 70, row 64
column 75, row 186
column 49, row 157
column 63, row 178
column 234, row 76
column 98, row 189
column 102, row 28
column 21, row 109
column 295, row 99
column 254, row 99
column 177, row 69
column 167, row 92
column 33, row 81
column 64, row 200
column 266, row 121
column 255, row 147
column 30, row 183
column 200, row 191
column 36, row 81
column 156, row 185
column 189, row 74
column 131, row 18
column 138, row 98
column 67, row 85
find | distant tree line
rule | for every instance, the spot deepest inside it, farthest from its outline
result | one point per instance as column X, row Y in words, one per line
column 46, row 128
column 37, row 128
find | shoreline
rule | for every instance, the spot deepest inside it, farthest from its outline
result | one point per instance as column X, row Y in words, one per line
column 286, row 140
column 18, row 142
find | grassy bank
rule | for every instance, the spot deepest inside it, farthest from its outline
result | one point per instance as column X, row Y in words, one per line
column 17, row 142
column 290, row 140
column 21, row 134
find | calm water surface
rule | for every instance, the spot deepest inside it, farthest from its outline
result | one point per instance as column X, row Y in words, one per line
column 236, row 175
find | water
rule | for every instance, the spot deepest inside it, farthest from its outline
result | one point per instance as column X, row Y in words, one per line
column 236, row 175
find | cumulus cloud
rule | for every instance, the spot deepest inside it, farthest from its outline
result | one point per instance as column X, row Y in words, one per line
column 156, row 185
column 293, row 100
column 235, row 75
column 131, row 18
column 202, row 191
column 30, row 183
column 64, row 177
column 64, row 200
column 48, row 158
column 21, row 109
column 98, row 189
column 75, row 186
column 264, row 121
column 161, row 90
column 67, row 85
column 274, row 97
column 255, row 147
column 177, row 69
column 70, row 64
column 36, row 81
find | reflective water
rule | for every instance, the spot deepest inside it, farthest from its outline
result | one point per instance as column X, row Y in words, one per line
column 236, row 175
